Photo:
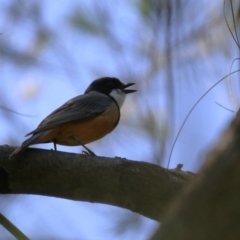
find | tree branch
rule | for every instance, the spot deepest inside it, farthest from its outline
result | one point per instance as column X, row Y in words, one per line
column 138, row 186
column 209, row 207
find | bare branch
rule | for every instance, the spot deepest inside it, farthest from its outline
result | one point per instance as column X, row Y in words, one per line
column 138, row 186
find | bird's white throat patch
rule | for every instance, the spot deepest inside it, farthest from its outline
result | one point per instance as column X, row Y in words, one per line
column 119, row 96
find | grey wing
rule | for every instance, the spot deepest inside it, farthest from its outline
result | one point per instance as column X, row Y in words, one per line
column 76, row 110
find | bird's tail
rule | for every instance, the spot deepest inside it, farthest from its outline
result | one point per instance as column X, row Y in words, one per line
column 26, row 143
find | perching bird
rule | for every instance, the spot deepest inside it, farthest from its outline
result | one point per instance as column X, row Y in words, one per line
column 83, row 119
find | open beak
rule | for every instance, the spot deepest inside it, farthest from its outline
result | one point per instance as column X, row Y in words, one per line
column 128, row 90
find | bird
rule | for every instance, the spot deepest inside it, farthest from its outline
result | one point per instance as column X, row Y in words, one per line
column 84, row 118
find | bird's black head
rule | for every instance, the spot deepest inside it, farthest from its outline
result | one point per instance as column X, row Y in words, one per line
column 107, row 84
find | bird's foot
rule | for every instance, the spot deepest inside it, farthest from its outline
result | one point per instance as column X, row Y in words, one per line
column 88, row 152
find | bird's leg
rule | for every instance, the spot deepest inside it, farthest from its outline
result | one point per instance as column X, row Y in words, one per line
column 55, row 146
column 88, row 152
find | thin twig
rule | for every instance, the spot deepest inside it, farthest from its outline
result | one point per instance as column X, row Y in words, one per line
column 12, row 228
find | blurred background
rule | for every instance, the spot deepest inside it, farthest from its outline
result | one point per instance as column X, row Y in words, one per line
column 174, row 50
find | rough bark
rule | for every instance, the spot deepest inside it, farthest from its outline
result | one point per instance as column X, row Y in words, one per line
column 209, row 208
column 138, row 186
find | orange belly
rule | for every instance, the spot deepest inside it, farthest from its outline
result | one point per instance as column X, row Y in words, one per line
column 85, row 132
